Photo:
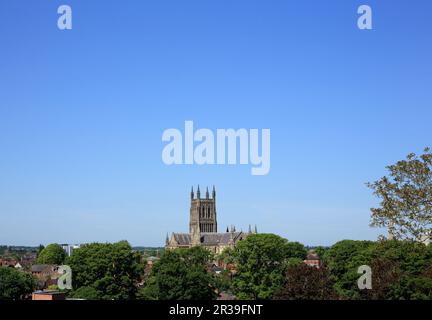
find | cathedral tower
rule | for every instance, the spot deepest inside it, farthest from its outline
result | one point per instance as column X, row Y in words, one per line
column 202, row 214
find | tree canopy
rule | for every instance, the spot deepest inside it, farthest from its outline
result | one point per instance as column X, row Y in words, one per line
column 400, row 269
column 181, row 274
column 15, row 285
column 52, row 254
column 303, row 282
column 261, row 261
column 105, row 270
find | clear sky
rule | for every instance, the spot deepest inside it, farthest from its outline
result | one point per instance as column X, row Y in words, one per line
column 82, row 113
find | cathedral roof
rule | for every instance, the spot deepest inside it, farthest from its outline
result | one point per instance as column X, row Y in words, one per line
column 210, row 238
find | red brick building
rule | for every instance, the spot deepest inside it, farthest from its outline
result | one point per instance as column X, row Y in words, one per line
column 312, row 260
column 48, row 295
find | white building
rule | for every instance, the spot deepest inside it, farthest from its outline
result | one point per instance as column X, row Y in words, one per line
column 69, row 248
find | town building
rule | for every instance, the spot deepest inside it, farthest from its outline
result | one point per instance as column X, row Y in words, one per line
column 48, row 295
column 312, row 260
column 46, row 274
column 8, row 262
column 69, row 248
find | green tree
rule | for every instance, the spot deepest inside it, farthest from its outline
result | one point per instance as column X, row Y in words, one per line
column 261, row 260
column 181, row 274
column 410, row 264
column 343, row 260
column 87, row 293
column 111, row 269
column 399, row 268
column 320, row 251
column 39, row 250
column 52, row 254
column 406, row 198
column 296, row 250
column 15, row 285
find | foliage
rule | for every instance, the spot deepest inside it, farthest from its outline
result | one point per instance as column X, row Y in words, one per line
column 181, row 274
column 39, row 249
column 87, row 293
column 296, row 250
column 406, row 198
column 111, row 269
column 15, row 285
column 303, row 282
column 53, row 287
column 52, row 254
column 399, row 269
column 320, row 251
column 227, row 256
column 261, row 261
column 343, row 260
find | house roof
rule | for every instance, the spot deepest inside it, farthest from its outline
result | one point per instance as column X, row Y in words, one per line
column 312, row 256
column 40, row 267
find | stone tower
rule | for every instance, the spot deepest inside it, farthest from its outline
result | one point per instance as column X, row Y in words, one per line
column 202, row 215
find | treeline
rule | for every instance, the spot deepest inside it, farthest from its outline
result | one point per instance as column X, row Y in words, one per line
column 263, row 266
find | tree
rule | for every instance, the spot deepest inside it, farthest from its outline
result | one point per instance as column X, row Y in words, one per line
column 385, row 274
column 303, row 282
column 399, row 269
column 406, row 198
column 320, row 251
column 407, row 273
column 181, row 274
column 261, row 261
column 112, row 270
column 39, row 250
column 52, row 254
column 343, row 260
column 15, row 285
column 87, row 293
column 296, row 250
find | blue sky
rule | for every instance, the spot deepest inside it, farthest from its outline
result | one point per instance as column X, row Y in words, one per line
column 82, row 113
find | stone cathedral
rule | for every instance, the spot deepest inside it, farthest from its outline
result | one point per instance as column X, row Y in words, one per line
column 203, row 227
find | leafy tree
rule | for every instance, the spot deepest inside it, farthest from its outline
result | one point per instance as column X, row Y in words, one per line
column 261, row 261
column 296, row 250
column 343, row 260
column 226, row 256
column 399, row 268
column 52, row 254
column 111, row 269
column 303, row 282
column 406, row 198
column 87, row 293
column 15, row 285
column 320, row 251
column 411, row 263
column 181, row 274
column 224, row 281
column 39, row 250
column 385, row 274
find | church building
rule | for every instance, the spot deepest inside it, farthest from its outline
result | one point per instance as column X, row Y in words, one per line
column 203, row 227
